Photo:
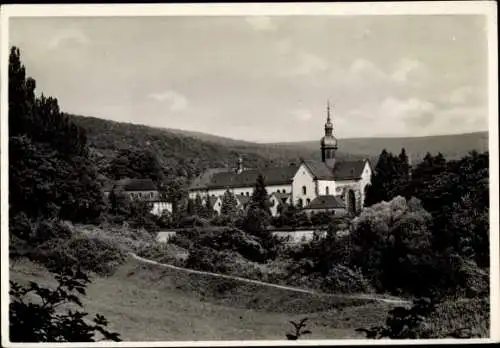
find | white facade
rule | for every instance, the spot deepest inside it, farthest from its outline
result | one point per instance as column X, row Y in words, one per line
column 303, row 186
column 366, row 179
column 160, row 207
column 326, row 187
column 303, row 189
column 244, row 191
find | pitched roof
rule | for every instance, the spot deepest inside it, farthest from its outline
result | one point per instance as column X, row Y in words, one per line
column 319, row 170
column 326, row 202
column 349, row 170
column 204, row 179
column 343, row 170
column 247, row 178
column 132, row 185
column 221, row 178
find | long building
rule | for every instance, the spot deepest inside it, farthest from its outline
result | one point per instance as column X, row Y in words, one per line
column 299, row 183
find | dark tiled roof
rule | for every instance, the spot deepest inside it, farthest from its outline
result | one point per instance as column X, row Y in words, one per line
column 319, row 170
column 220, row 178
column 204, row 179
column 349, row 170
column 326, row 202
column 247, row 178
column 343, row 170
column 132, row 185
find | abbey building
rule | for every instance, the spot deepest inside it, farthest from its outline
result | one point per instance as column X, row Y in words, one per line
column 327, row 185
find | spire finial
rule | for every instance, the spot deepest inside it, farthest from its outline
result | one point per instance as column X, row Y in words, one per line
column 328, row 111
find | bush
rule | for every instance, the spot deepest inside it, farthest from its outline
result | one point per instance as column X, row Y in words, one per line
column 345, row 280
column 93, row 254
column 207, row 259
column 164, row 253
column 96, row 254
column 193, row 221
column 428, row 318
column 45, row 322
column 38, row 231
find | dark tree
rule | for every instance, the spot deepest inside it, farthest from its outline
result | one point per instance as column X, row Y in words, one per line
column 137, row 164
column 51, row 173
column 260, row 198
column 229, row 204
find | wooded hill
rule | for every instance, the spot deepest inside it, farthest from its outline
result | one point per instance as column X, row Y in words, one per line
column 185, row 151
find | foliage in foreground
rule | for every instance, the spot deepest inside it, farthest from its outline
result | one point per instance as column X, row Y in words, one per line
column 299, row 330
column 425, row 320
column 45, row 321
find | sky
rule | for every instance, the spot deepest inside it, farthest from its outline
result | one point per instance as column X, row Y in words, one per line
column 266, row 79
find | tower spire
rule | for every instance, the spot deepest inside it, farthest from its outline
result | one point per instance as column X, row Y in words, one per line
column 328, row 119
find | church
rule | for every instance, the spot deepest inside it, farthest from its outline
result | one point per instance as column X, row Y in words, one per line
column 326, row 185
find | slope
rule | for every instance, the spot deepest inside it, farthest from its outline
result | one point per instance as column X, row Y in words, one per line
column 149, row 303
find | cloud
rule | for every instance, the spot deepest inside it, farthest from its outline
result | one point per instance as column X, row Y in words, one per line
column 365, row 69
column 308, row 64
column 284, row 46
column 261, row 23
column 394, row 116
column 302, row 114
column 177, row 101
column 410, row 72
column 68, row 38
column 462, row 96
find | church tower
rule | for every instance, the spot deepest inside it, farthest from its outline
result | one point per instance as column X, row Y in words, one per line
column 328, row 142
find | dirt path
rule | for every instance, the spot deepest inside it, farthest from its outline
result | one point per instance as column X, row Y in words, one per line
column 284, row 287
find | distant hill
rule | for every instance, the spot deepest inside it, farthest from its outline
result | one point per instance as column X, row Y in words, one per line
column 195, row 151
column 451, row 146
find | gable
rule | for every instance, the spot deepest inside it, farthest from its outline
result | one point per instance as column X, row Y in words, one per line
column 318, row 170
column 304, row 171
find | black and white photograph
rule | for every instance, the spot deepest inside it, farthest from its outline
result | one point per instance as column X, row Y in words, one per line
column 214, row 174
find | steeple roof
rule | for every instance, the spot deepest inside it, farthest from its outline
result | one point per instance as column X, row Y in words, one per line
column 328, row 140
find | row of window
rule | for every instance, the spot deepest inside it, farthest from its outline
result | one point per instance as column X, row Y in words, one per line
column 304, row 191
column 141, row 195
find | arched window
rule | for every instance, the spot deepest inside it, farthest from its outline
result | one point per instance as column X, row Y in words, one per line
column 248, row 194
column 300, row 203
column 308, row 201
column 327, row 190
column 304, row 190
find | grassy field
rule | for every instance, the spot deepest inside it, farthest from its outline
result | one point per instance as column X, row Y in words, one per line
column 147, row 303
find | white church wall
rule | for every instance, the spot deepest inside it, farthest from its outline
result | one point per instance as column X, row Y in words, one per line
column 303, row 178
column 365, row 180
column 323, row 185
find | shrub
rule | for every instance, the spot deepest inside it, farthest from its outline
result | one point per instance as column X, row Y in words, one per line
column 405, row 323
column 51, row 229
column 345, row 280
column 193, row 221
column 96, row 254
column 45, row 322
column 93, row 254
column 428, row 318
